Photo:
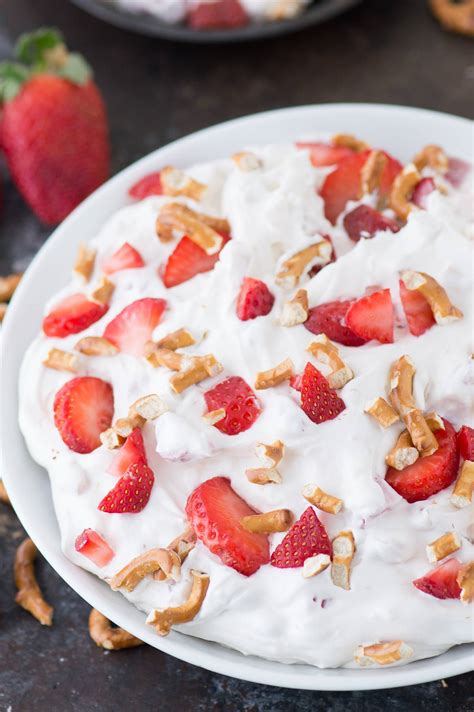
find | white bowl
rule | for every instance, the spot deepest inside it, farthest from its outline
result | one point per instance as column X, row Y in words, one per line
column 399, row 130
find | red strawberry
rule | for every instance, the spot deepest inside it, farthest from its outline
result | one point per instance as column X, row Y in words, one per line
column 132, row 452
column 422, row 191
column 131, row 493
column 126, row 257
column 465, row 440
column 317, row 268
column 441, row 581
column 330, row 319
column 83, row 409
column 134, row 326
column 53, row 127
column 240, row 402
column 372, row 317
column 319, row 401
column 307, row 537
column 188, row 260
column 72, row 315
column 214, row 511
column 296, row 382
column 457, row 171
column 94, row 547
column 365, row 222
column 255, row 299
column 149, row 185
column 217, row 15
column 417, row 310
column 428, row 475
column 322, row 154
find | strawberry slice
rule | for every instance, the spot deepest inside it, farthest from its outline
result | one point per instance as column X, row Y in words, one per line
column 240, row 403
column 307, row 537
column 132, row 452
column 94, row 547
column 330, row 319
column 131, row 493
column 319, row 401
column 418, row 312
column 372, row 317
column 365, row 222
column 83, row 409
column 422, row 191
column 72, row 315
column 457, row 171
column 217, row 15
column 134, row 326
column 187, row 260
column 323, row 154
column 465, row 438
column 126, row 257
column 296, row 382
column 149, row 185
column 215, row 511
column 441, row 581
column 428, row 475
column 255, row 299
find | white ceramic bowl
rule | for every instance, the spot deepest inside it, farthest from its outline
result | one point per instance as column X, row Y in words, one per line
column 401, row 131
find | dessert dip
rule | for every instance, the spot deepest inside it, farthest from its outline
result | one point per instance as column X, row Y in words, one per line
column 254, row 403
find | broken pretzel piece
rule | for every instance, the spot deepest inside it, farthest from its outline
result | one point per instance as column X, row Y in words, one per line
column 158, row 356
column 165, row 618
column 314, row 565
column 110, row 439
column 383, row 653
column 382, row 411
column 442, row 547
column 433, row 157
column 402, row 191
column 343, row 548
column 215, row 416
column 175, row 216
column 247, row 161
column 294, row 267
column 271, row 456
column 29, row 594
column 96, row 346
column 323, row 501
column 200, row 368
column 325, row 351
column 175, row 182
column 165, row 560
column 125, row 426
column 443, row 310
column 61, row 361
column 462, row 493
column 182, row 545
column 403, row 453
column 103, row 291
column 107, row 636
column 274, row 376
column 349, row 141
column 84, row 264
column 420, row 432
column 8, row 286
column 176, row 340
column 371, row 172
column 465, row 580
column 148, row 407
column 279, row 520
column 296, row 310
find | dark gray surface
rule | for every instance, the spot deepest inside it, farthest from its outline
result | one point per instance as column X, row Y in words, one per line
column 157, row 91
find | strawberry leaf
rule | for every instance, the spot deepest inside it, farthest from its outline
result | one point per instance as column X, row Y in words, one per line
column 32, row 46
column 12, row 76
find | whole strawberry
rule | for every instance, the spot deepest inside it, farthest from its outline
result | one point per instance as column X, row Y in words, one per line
column 53, row 125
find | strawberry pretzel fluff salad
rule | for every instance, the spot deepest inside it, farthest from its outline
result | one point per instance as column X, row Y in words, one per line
column 254, row 402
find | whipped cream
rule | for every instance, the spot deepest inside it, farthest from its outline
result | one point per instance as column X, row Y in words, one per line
column 275, row 613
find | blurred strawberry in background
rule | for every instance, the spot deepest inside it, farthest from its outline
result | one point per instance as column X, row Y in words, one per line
column 53, row 125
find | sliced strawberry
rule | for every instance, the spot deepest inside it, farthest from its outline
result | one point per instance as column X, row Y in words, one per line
column 428, row 475
column 317, row 268
column 94, row 547
column 330, row 319
column 240, row 403
column 323, row 154
column 255, row 299
column 215, row 511
column 83, row 409
column 307, row 537
column 296, row 382
column 457, row 171
column 131, row 493
column 187, row 260
column 126, row 257
column 422, row 191
column 418, row 312
column 133, row 327
column 441, row 581
column 132, row 452
column 365, row 222
column 149, row 185
column 391, row 171
column 217, row 15
column 465, row 440
column 319, row 401
column 72, row 315
column 372, row 317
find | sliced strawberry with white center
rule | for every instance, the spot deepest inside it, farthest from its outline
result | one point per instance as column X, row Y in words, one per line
column 94, row 547
column 239, row 402
column 131, row 493
column 330, row 319
column 149, row 185
column 132, row 452
column 217, row 15
column 72, row 315
column 372, row 317
column 441, row 581
column 255, row 299
column 215, row 512
column 323, row 154
column 420, row 195
column 428, row 475
column 134, row 326
column 126, row 257
column 187, row 260
column 307, row 537
column 465, row 438
column 457, row 172
column 365, row 222
column 418, row 312
column 83, row 409
column 319, row 401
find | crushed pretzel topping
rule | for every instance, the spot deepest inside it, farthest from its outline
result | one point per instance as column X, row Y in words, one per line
column 325, row 351
column 421, row 433
column 279, row 520
column 314, row 565
column 382, row 411
column 200, row 368
column 165, row 618
column 465, row 580
column 103, row 292
column 148, row 407
column 343, row 547
column 263, row 476
column 184, row 543
column 165, row 560
column 284, row 9
column 84, row 264
column 271, row 456
column 107, row 636
column 274, row 376
column 382, row 653
column 175, row 182
column 96, row 346
column 247, row 161
column 62, row 361
column 158, row 356
column 215, row 416
column 294, row 267
column 402, row 190
column 443, row 310
column 403, row 453
column 176, row 340
column 349, row 141
column 110, row 439
column 432, row 156
column 462, row 493
column 323, row 501
column 175, row 216
column 371, row 172
column 29, row 594
column 8, row 286
column 125, row 426
column 442, row 547
column 434, row 421
column 296, row 310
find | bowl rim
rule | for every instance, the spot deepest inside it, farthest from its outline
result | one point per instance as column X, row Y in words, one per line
column 95, row 209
